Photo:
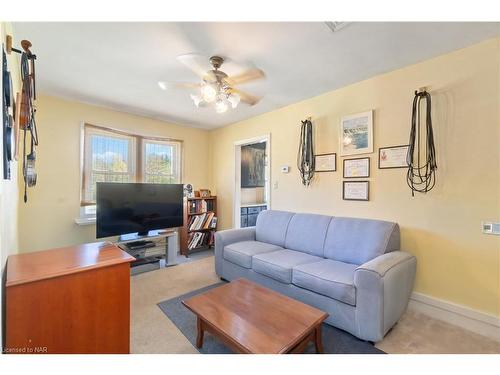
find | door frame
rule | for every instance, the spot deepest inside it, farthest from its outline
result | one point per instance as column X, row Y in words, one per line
column 237, row 174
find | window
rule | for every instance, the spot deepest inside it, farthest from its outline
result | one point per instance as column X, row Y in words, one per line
column 115, row 156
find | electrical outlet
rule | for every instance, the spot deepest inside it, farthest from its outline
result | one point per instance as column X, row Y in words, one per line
column 490, row 227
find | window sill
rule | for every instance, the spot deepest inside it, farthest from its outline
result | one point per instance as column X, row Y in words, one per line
column 90, row 220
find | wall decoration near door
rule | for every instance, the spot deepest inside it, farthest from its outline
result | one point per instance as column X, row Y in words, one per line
column 355, row 168
column 253, row 160
column 326, row 162
column 392, row 157
column 355, row 190
column 356, row 134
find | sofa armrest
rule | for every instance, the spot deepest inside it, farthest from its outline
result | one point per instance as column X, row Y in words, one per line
column 227, row 237
column 383, row 288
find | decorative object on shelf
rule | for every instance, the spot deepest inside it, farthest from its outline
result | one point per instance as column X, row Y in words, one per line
column 325, row 162
column 253, row 165
column 355, row 190
column 216, row 87
column 305, row 156
column 205, row 193
column 393, row 157
column 26, row 113
column 421, row 159
column 188, row 191
column 356, row 134
column 196, row 193
column 355, row 168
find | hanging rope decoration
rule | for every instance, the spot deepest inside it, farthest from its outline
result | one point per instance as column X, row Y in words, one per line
column 305, row 156
column 421, row 157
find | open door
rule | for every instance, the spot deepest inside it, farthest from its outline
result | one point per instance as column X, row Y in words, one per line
column 252, row 180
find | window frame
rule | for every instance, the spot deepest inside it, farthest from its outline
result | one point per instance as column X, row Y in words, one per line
column 136, row 156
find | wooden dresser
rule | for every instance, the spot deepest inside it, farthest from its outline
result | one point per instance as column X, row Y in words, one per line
column 69, row 300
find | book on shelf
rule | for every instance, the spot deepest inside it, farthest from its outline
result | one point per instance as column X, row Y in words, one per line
column 203, row 221
column 199, row 239
column 200, row 206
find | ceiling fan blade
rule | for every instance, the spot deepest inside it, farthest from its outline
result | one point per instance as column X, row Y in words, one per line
column 245, row 97
column 177, row 85
column 197, row 63
column 247, row 76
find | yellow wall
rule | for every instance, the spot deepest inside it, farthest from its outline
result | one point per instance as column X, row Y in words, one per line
column 456, row 262
column 47, row 220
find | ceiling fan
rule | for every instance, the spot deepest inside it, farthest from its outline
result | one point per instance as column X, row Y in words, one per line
column 216, row 87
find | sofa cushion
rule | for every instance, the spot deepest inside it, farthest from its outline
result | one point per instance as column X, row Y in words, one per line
column 278, row 265
column 241, row 253
column 328, row 277
column 271, row 226
column 359, row 240
column 307, row 232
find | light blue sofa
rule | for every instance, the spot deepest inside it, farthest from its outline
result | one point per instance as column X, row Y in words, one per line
column 350, row 268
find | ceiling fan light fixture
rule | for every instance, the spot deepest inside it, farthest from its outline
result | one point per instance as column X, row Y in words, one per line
column 221, row 106
column 196, row 99
column 208, row 93
column 234, row 99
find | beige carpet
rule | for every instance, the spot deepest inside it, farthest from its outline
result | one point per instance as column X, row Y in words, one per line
column 153, row 332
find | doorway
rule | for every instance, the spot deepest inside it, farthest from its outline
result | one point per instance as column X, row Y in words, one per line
column 252, row 190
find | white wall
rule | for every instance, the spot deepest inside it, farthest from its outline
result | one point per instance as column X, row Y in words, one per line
column 8, row 188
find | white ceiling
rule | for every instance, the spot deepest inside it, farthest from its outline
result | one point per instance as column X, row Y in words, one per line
column 118, row 65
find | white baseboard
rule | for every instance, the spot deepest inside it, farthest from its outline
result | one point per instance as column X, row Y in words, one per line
column 465, row 317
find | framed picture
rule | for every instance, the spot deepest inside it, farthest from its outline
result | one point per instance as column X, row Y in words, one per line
column 392, row 157
column 355, row 168
column 325, row 162
column 253, row 161
column 356, row 134
column 355, row 190
column 205, row 193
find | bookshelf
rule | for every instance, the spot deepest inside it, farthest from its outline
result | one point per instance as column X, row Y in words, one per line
column 199, row 224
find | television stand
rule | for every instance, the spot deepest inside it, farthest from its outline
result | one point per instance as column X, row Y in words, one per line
column 162, row 246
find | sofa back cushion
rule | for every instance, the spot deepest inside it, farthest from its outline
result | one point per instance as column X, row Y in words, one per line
column 359, row 240
column 307, row 232
column 271, row 226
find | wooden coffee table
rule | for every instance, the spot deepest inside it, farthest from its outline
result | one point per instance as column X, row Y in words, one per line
column 252, row 319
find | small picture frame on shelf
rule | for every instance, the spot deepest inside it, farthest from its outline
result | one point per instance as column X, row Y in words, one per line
column 356, row 168
column 355, row 190
column 196, row 194
column 393, row 157
column 205, row 193
column 325, row 162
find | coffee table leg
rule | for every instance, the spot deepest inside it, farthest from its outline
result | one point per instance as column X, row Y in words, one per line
column 317, row 339
column 199, row 338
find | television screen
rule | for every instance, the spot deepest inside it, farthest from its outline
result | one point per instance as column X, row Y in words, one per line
column 124, row 208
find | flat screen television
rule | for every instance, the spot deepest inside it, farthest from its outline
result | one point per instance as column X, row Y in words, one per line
column 124, row 208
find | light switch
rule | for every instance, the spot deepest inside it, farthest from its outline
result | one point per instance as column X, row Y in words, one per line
column 275, row 185
column 285, row 169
